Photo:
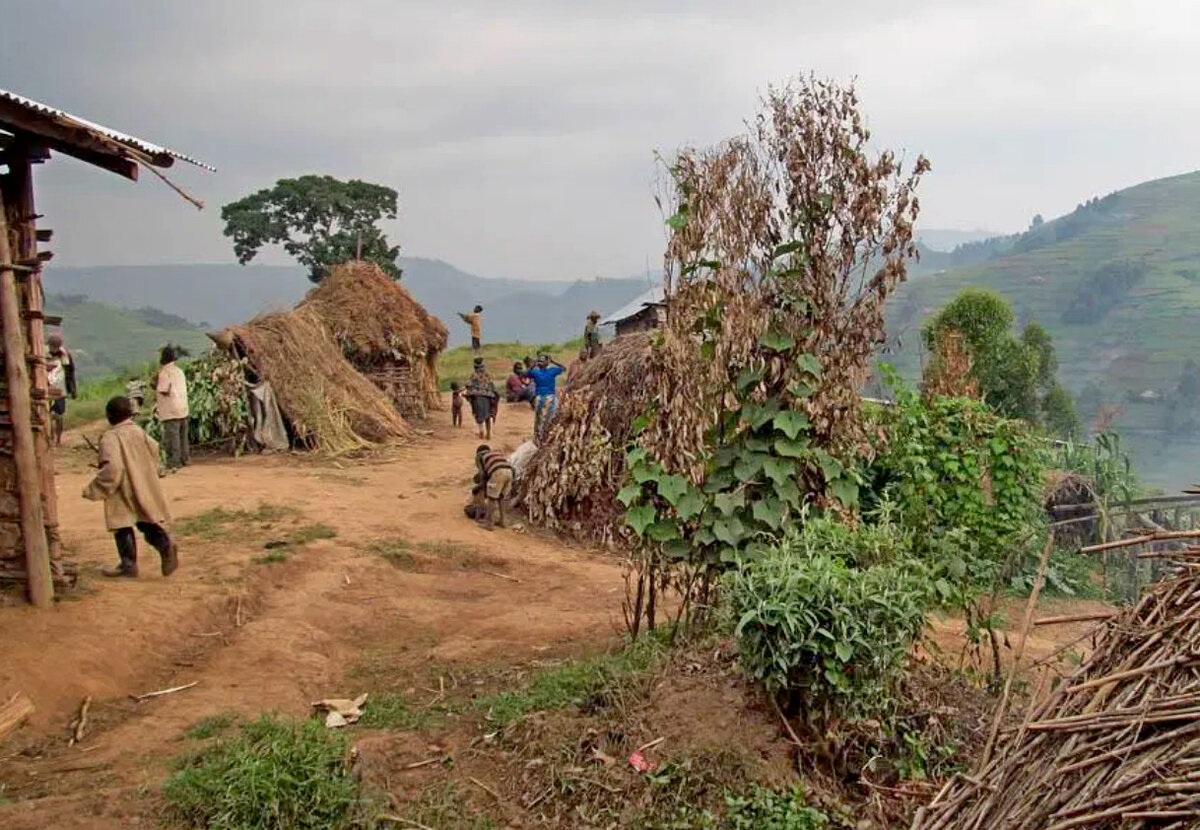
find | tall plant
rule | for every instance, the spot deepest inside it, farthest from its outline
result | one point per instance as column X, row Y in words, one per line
column 784, row 244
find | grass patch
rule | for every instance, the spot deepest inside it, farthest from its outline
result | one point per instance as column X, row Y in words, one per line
column 444, row 806
column 457, row 364
column 210, row 726
column 308, row 534
column 212, row 524
column 395, row 711
column 275, row 557
column 274, row 773
column 395, row 550
column 587, row 683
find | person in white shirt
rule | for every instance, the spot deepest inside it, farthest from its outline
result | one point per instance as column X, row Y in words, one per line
column 60, row 375
column 171, row 407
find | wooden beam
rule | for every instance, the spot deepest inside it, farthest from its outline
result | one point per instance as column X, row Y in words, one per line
column 41, row 130
column 33, row 530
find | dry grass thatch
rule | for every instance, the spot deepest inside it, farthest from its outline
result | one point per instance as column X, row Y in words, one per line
column 1117, row 745
column 377, row 322
column 330, row 406
column 574, row 478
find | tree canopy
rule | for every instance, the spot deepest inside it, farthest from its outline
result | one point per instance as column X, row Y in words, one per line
column 1015, row 376
column 319, row 220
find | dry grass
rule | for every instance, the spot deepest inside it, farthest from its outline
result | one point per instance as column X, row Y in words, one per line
column 330, row 406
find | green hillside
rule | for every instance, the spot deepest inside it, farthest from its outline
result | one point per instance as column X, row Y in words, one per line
column 1116, row 282
column 105, row 339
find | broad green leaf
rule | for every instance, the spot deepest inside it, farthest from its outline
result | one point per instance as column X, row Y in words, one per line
column 748, row 466
column 639, row 518
column 663, row 531
column 757, row 444
column 671, row 487
column 719, row 481
column 747, row 378
column 801, row 389
column 730, row 531
column 779, row 470
column 843, row 651
column 690, row 504
column 790, row 493
column 636, row 456
column 639, row 424
column 788, row 248
column 629, row 494
column 678, row 221
column 809, row 364
column 831, row 468
column 677, row 549
column 770, row 512
column 776, row 341
column 845, row 490
column 727, row 503
column 791, row 422
column 791, row 449
column 644, row 472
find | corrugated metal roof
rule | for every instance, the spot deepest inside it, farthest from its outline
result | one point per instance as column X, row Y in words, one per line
column 157, row 153
column 654, row 296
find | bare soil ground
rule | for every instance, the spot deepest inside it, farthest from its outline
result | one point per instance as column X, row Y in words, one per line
column 277, row 636
column 407, row 595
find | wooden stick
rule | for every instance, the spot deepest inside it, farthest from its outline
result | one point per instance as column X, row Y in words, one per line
column 485, row 788
column 1140, row 670
column 650, row 745
column 1020, row 652
column 420, row 764
column 199, row 204
column 1142, row 540
column 14, row 713
column 79, row 724
column 1070, row 618
column 39, row 582
column 161, row 692
column 501, row 576
column 405, row 821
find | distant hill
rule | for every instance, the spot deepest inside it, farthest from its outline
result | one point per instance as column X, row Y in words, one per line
column 208, row 296
column 947, row 239
column 106, row 339
column 1116, row 282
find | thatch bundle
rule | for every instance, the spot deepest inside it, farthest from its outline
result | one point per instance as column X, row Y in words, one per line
column 1118, row 743
column 573, row 479
column 379, row 325
column 329, row 405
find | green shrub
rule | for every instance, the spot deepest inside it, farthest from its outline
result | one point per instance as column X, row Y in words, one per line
column 275, row 774
column 764, row 809
column 831, row 636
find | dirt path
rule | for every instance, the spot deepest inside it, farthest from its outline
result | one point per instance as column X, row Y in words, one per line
column 258, row 637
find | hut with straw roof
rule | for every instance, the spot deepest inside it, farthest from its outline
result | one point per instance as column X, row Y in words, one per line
column 384, row 333
column 327, row 405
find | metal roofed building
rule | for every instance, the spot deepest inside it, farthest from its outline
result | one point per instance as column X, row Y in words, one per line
column 30, row 547
column 644, row 312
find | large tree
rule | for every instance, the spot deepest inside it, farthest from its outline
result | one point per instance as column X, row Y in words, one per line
column 319, row 220
column 1016, row 376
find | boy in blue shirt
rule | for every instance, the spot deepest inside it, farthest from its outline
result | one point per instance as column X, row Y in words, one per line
column 545, row 382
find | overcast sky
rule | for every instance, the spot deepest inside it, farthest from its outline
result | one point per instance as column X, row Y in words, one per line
column 520, row 133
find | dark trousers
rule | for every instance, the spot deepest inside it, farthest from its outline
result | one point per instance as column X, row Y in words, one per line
column 175, row 442
column 155, row 535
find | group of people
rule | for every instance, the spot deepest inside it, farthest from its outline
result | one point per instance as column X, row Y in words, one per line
column 535, row 383
column 130, row 463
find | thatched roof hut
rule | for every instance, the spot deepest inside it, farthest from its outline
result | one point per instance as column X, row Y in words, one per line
column 572, row 482
column 383, row 332
column 328, row 405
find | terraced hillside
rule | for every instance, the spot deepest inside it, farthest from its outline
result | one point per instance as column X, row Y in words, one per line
column 1117, row 283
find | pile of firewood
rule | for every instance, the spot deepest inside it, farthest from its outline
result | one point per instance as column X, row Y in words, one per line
column 1117, row 744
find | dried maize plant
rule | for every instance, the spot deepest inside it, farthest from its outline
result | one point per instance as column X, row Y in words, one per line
column 793, row 234
column 949, row 371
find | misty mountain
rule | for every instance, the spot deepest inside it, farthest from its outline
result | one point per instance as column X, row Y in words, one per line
column 947, row 239
column 216, row 295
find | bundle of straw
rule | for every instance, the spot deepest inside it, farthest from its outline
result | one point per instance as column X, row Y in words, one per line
column 1118, row 744
column 330, row 406
column 573, row 479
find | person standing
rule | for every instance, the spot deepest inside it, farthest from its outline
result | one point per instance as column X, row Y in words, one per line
column 127, row 483
column 60, row 375
column 591, row 335
column 481, row 392
column 171, row 407
column 475, row 321
column 545, row 383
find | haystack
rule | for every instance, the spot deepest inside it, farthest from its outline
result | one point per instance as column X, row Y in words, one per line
column 384, row 333
column 1117, row 745
column 574, row 477
column 328, row 404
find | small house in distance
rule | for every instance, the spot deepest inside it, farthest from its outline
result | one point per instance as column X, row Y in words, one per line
column 385, row 334
column 642, row 314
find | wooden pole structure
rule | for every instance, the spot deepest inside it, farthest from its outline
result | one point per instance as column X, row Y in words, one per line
column 33, row 531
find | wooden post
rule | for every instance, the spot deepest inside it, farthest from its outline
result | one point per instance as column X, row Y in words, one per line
column 33, row 531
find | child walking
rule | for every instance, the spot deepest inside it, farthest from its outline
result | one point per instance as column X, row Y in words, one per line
column 456, row 404
column 128, row 485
